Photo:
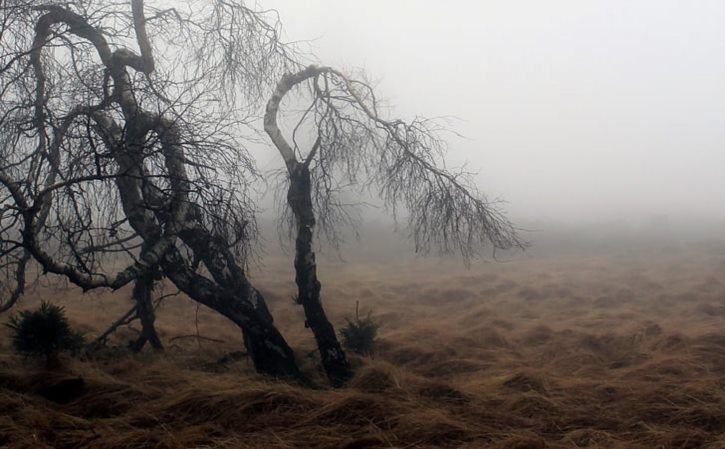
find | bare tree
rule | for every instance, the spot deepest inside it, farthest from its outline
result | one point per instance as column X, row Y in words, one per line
column 355, row 147
column 122, row 135
column 110, row 151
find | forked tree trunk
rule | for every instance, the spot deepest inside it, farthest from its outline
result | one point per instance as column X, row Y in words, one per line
column 145, row 310
column 308, row 286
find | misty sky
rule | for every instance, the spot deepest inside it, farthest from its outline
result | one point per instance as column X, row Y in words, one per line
column 591, row 110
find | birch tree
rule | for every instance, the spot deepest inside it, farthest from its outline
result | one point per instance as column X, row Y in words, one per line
column 115, row 143
column 123, row 128
column 356, row 148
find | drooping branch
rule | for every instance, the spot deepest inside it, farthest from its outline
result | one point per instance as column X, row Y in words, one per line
column 271, row 126
column 356, row 147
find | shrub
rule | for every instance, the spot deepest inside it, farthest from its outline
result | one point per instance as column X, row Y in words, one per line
column 359, row 335
column 44, row 332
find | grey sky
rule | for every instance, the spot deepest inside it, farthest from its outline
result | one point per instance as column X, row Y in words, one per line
column 579, row 109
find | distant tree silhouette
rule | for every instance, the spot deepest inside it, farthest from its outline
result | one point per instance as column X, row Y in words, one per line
column 122, row 132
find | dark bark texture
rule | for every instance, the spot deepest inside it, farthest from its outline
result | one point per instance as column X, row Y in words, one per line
column 308, row 285
column 142, row 289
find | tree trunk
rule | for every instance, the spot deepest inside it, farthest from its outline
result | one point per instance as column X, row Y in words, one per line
column 219, row 260
column 145, row 310
column 267, row 347
column 308, row 286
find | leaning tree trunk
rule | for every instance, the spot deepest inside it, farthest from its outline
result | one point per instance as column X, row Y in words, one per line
column 267, row 347
column 308, row 286
column 219, row 260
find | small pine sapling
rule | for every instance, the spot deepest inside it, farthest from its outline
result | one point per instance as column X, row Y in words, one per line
column 44, row 332
column 358, row 335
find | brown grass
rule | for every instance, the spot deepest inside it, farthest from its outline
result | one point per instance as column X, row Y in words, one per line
column 573, row 350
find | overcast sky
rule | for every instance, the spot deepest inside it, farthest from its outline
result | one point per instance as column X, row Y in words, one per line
column 581, row 109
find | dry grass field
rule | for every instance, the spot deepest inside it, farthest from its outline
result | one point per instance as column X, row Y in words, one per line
column 602, row 344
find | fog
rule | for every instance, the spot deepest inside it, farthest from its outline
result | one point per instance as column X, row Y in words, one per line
column 597, row 121
column 572, row 111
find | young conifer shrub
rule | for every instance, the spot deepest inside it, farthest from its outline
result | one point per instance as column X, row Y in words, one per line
column 44, row 332
column 358, row 335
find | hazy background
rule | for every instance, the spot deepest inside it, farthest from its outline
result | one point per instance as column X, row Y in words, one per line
column 574, row 111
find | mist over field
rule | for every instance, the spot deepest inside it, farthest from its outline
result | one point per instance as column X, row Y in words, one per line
column 573, row 111
column 598, row 338
column 593, row 316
